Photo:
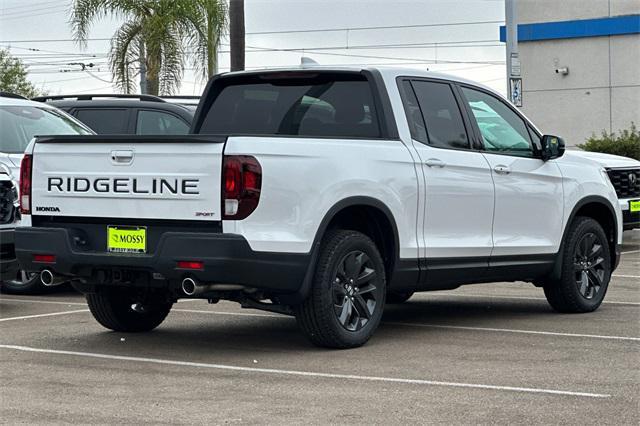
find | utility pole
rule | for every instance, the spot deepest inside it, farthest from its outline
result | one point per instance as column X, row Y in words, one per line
column 236, row 34
column 514, row 71
column 143, row 69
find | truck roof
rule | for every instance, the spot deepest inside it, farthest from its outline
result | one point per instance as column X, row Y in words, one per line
column 387, row 71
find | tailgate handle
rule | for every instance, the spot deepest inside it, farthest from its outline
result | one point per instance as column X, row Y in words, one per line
column 122, row 157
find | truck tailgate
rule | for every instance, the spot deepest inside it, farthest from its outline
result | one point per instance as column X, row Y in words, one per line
column 154, row 177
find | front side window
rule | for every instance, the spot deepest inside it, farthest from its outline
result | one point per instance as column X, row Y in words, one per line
column 20, row 124
column 441, row 115
column 306, row 104
column 502, row 129
column 160, row 123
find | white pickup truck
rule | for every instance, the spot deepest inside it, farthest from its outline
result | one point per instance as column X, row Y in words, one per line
column 322, row 193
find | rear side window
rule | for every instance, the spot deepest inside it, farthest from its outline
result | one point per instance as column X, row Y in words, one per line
column 308, row 105
column 441, row 115
column 160, row 123
column 105, row 121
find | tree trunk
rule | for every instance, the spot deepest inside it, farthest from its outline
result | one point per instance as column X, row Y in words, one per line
column 212, row 51
column 143, row 69
column 153, row 73
column 236, row 34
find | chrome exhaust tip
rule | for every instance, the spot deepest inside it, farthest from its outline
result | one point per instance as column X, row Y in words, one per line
column 189, row 286
column 48, row 279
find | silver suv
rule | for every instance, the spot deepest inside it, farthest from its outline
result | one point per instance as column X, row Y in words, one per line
column 20, row 121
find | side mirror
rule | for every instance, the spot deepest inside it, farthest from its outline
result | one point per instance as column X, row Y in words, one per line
column 552, row 147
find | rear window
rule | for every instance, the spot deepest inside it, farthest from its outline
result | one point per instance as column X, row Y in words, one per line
column 309, row 105
column 20, row 124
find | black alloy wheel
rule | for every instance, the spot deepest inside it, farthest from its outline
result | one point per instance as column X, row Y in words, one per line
column 347, row 296
column 586, row 261
column 354, row 290
column 589, row 265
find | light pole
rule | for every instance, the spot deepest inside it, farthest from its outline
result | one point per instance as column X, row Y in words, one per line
column 514, row 71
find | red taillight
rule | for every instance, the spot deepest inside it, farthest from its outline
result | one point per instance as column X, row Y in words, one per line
column 25, row 184
column 190, row 264
column 44, row 258
column 242, row 181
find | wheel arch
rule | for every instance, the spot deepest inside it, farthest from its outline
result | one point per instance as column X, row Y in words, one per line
column 360, row 213
column 599, row 209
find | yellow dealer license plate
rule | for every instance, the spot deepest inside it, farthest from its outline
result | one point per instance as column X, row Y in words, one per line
column 634, row 206
column 127, row 239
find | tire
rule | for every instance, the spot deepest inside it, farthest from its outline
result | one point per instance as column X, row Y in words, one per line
column 348, row 292
column 114, row 309
column 24, row 283
column 586, row 269
column 398, row 297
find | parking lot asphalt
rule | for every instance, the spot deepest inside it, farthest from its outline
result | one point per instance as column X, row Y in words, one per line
column 493, row 353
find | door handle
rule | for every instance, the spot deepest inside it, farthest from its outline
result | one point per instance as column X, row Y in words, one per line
column 502, row 169
column 122, row 157
column 434, row 162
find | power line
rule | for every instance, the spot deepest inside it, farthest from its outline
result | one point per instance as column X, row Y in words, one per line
column 96, row 77
column 427, row 61
column 43, row 11
column 59, row 40
column 381, row 27
column 386, row 27
column 25, row 12
column 27, row 6
column 422, row 45
column 33, row 49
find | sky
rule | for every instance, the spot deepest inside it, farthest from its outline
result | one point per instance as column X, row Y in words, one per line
column 460, row 37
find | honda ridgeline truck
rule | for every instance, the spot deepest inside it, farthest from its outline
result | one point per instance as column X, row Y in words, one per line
column 321, row 193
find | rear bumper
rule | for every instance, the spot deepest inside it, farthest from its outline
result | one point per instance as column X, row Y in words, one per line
column 8, row 262
column 227, row 258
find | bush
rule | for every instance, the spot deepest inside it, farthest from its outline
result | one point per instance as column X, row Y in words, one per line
column 625, row 143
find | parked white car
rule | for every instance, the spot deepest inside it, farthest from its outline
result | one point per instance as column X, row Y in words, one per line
column 624, row 173
column 9, row 212
column 20, row 121
column 322, row 193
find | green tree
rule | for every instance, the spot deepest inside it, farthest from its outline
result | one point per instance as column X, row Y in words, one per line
column 626, row 143
column 149, row 33
column 204, row 22
column 13, row 76
column 154, row 36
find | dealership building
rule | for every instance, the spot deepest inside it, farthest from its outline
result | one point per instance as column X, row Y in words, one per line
column 580, row 65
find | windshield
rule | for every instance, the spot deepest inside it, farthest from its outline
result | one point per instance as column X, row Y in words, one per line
column 19, row 124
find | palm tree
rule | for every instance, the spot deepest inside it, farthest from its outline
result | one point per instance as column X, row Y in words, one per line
column 153, row 37
column 204, row 23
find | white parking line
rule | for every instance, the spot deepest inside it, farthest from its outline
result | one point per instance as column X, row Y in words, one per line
column 509, row 330
column 404, row 324
column 43, row 315
column 307, row 373
column 429, row 294
column 454, row 327
column 625, row 276
column 46, row 302
column 239, row 314
column 607, row 302
column 629, row 252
